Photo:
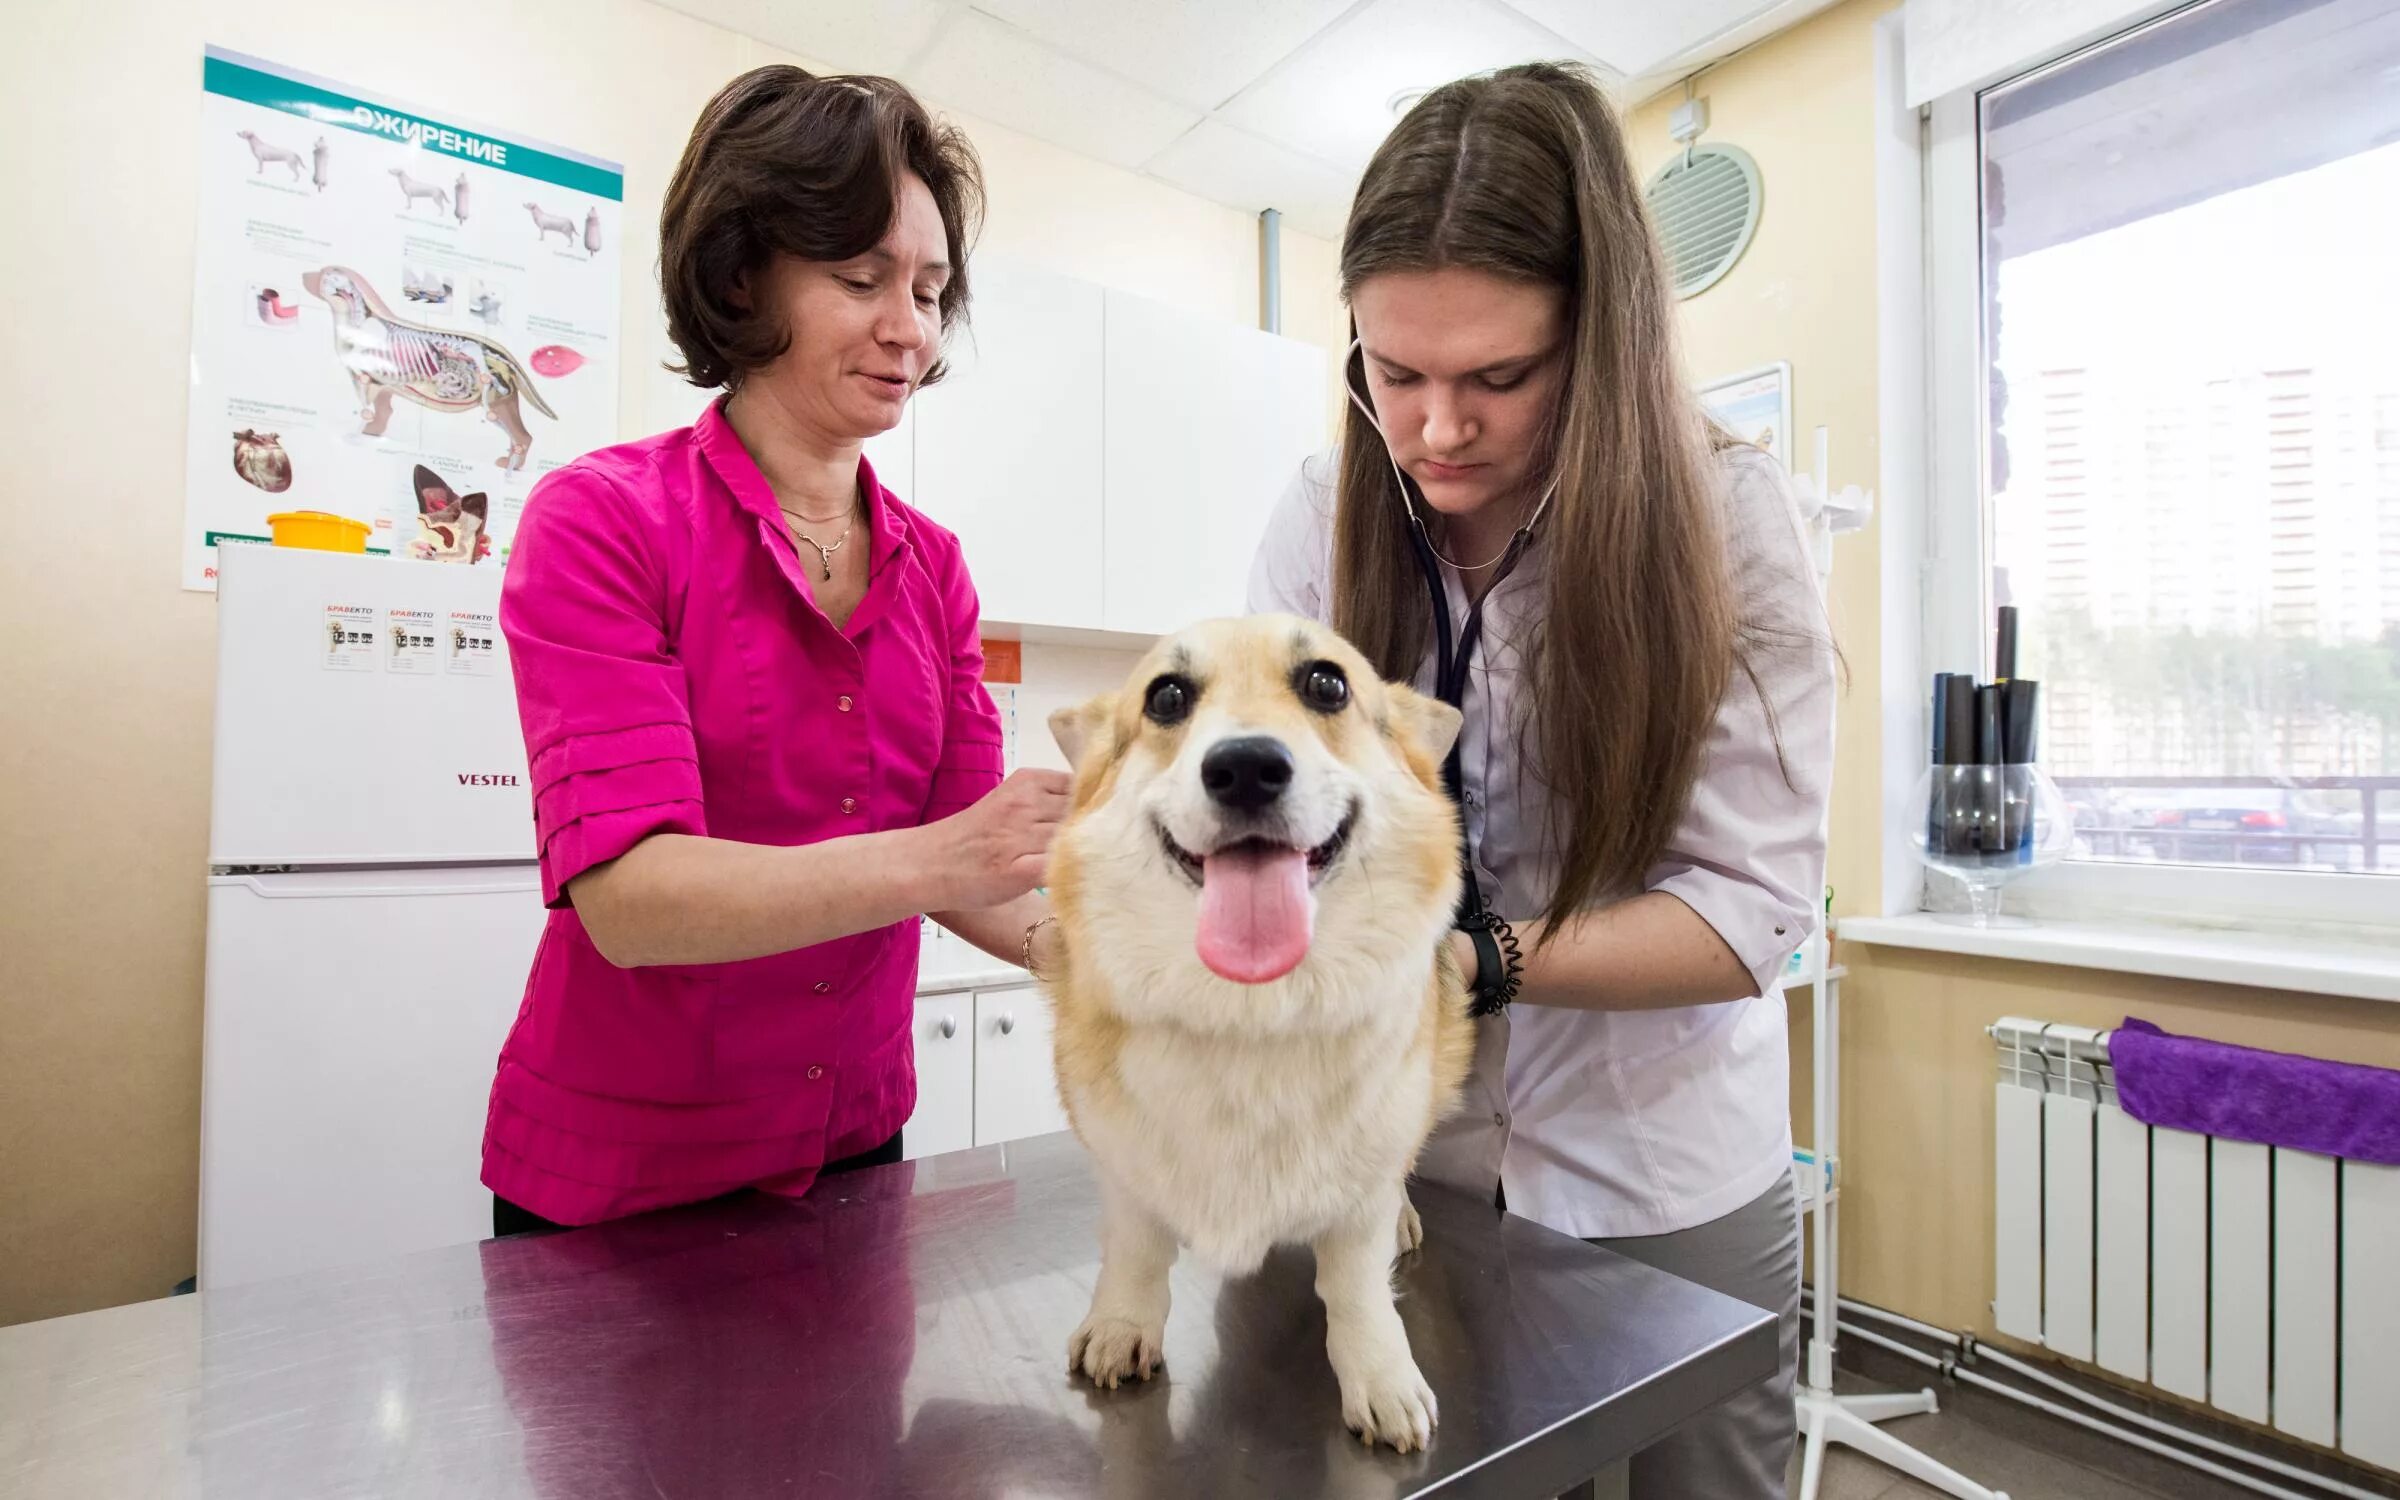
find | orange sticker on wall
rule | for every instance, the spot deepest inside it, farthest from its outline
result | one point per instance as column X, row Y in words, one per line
column 1003, row 661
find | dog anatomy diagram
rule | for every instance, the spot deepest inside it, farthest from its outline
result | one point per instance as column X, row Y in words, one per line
column 450, row 526
column 549, row 223
column 268, row 154
column 411, row 190
column 366, row 315
column 259, row 458
column 390, row 357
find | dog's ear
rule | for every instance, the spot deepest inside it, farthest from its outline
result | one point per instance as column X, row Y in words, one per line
column 1427, row 725
column 1079, row 729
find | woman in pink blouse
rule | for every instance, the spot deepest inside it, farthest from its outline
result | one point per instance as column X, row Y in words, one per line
column 750, row 680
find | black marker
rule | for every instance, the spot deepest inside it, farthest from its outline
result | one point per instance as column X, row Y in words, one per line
column 1991, row 801
column 1940, row 757
column 1950, row 811
column 2020, row 713
column 1958, row 717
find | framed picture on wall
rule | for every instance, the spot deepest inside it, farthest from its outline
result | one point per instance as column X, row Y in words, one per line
column 1756, row 406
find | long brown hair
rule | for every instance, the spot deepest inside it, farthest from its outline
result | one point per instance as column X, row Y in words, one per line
column 1523, row 174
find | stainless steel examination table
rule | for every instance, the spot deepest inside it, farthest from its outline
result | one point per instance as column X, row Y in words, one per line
column 900, row 1333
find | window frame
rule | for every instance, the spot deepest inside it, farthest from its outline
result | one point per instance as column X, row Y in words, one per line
column 1941, row 563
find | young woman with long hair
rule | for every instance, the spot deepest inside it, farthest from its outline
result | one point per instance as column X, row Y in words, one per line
column 1530, row 514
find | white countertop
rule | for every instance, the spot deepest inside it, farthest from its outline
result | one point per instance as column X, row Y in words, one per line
column 2363, row 968
column 948, row 964
column 995, row 976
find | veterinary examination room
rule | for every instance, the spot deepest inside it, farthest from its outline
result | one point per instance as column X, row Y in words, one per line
column 1201, row 750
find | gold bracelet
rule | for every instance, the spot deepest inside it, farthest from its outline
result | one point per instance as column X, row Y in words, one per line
column 1029, row 932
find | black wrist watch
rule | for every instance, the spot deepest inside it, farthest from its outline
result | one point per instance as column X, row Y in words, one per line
column 1499, row 964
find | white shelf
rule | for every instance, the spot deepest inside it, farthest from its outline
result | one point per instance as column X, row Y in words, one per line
column 2358, row 968
column 1067, row 635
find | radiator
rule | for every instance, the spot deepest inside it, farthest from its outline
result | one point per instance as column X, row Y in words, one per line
column 2260, row 1281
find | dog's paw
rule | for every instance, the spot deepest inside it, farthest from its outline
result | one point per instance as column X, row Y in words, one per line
column 1412, row 1229
column 1391, row 1405
column 1109, row 1351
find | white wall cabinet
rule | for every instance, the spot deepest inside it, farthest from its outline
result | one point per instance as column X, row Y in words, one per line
column 1016, row 1075
column 984, row 1071
column 1008, row 446
column 1107, row 461
column 945, row 1115
column 1207, row 424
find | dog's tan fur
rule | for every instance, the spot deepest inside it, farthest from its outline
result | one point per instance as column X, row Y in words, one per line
column 1228, row 1117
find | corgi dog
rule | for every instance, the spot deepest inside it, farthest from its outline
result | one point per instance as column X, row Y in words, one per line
column 1258, row 1018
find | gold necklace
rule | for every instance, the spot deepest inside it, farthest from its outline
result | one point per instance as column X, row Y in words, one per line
column 824, row 552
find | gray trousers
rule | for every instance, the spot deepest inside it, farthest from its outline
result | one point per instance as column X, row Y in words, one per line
column 1740, row 1450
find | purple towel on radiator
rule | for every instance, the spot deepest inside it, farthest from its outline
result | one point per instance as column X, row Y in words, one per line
column 2244, row 1094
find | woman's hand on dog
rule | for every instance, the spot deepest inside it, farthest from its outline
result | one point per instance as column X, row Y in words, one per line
column 996, row 850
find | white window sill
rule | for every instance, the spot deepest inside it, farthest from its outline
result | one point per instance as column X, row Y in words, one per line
column 2359, row 970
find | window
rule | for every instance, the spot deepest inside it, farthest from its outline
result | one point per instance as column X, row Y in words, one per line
column 2186, row 403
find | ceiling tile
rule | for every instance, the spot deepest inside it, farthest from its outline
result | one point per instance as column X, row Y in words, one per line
column 1236, row 168
column 1633, row 35
column 1197, row 52
column 1333, row 99
column 984, row 68
column 877, row 38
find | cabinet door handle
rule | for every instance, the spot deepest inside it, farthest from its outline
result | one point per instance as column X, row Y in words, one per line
column 1008, row 1022
column 949, row 1027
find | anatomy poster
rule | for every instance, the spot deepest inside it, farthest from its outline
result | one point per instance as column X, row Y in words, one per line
column 396, row 318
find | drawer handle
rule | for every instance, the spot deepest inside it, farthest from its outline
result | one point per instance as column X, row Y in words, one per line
column 1008, row 1022
column 949, row 1027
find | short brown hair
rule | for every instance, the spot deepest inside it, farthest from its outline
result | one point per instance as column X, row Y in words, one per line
column 785, row 162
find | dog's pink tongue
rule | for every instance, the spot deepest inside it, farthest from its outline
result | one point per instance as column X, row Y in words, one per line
column 1255, row 913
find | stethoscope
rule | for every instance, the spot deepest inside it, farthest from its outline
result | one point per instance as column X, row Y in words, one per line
column 1454, row 644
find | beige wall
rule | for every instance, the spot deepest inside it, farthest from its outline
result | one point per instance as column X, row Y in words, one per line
column 1804, row 291
column 104, row 764
column 1917, row 1070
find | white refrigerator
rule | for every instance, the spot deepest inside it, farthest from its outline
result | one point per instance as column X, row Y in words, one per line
column 372, row 909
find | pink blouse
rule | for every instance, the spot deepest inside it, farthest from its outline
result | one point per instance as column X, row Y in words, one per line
column 675, row 676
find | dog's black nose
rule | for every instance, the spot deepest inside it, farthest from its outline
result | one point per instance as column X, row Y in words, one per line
column 1246, row 774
